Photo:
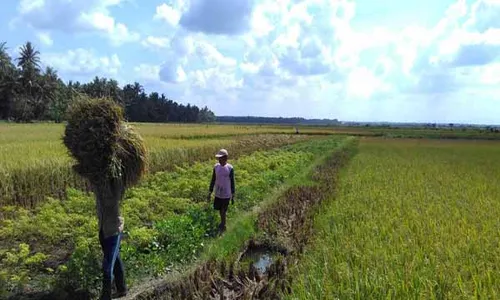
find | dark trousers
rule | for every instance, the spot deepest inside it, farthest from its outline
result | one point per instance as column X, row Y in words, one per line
column 112, row 265
column 221, row 204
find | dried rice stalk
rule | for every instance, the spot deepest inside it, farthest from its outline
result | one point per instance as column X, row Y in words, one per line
column 105, row 148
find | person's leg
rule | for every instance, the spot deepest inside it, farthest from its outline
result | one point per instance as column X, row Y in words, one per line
column 223, row 218
column 217, row 206
column 106, row 279
column 119, row 276
column 111, row 249
column 101, row 240
column 223, row 211
column 216, row 203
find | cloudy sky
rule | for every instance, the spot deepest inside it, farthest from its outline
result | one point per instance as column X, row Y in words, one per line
column 387, row 60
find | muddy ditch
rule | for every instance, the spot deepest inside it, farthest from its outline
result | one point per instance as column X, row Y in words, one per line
column 260, row 271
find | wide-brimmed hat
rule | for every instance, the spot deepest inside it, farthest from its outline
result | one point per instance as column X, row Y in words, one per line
column 221, row 153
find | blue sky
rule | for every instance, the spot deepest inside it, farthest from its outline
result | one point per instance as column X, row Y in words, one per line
column 418, row 61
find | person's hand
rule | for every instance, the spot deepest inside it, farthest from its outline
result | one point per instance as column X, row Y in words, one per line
column 209, row 196
column 232, row 200
column 122, row 224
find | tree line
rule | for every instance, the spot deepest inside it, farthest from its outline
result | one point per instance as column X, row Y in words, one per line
column 275, row 120
column 28, row 93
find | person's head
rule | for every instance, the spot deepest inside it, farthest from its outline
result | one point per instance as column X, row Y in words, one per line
column 222, row 156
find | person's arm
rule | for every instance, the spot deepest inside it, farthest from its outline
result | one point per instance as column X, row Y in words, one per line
column 212, row 184
column 233, row 188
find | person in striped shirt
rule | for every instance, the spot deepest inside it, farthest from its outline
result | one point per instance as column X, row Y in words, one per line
column 223, row 183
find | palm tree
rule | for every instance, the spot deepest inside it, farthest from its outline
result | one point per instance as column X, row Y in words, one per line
column 48, row 83
column 29, row 57
column 138, row 88
column 29, row 62
column 8, row 81
column 51, row 73
column 5, row 62
column 46, row 92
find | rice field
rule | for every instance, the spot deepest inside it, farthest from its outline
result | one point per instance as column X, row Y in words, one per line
column 410, row 218
column 413, row 219
column 169, row 223
column 26, row 144
column 35, row 164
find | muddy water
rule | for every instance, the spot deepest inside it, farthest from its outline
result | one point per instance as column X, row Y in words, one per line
column 260, row 258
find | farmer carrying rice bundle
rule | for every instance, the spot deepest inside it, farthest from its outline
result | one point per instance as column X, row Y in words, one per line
column 112, row 157
column 223, row 182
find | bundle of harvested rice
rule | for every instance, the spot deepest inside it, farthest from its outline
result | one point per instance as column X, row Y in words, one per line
column 131, row 153
column 104, row 147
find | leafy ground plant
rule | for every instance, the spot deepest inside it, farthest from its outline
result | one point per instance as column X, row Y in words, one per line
column 167, row 221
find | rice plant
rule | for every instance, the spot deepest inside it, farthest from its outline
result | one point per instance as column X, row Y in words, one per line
column 413, row 219
column 33, row 167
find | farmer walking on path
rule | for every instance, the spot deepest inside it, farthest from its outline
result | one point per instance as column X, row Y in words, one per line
column 112, row 157
column 223, row 182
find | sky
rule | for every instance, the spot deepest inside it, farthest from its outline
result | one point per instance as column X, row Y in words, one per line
column 387, row 60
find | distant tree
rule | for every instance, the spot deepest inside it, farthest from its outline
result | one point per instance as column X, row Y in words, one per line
column 206, row 116
column 276, row 120
column 28, row 93
column 8, row 86
column 62, row 95
column 29, row 62
column 49, row 89
column 8, row 82
column 5, row 60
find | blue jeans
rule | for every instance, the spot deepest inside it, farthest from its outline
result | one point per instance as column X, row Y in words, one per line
column 112, row 265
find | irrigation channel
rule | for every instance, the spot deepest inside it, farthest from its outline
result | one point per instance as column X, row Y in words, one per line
column 260, row 269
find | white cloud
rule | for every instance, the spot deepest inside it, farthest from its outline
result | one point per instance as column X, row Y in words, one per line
column 218, row 16
column 75, row 16
column 117, row 33
column 168, row 14
column 250, row 68
column 489, row 75
column 484, row 15
column 216, row 81
column 309, row 50
column 45, row 38
column 310, row 57
column 148, row 72
column 211, row 56
column 155, row 42
column 182, row 44
column 172, row 71
column 456, row 47
column 83, row 62
column 362, row 84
